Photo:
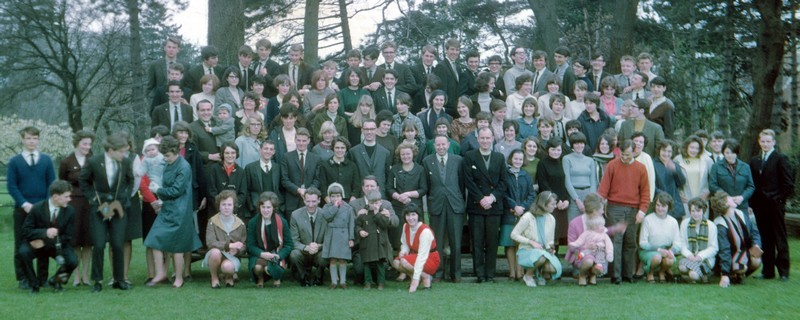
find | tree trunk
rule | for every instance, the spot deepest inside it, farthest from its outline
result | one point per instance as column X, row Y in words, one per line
column 621, row 32
column 226, row 28
column 795, row 135
column 729, row 73
column 767, row 60
column 311, row 33
column 139, row 104
column 547, row 33
column 347, row 39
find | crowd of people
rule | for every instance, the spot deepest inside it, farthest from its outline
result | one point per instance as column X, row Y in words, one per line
column 296, row 169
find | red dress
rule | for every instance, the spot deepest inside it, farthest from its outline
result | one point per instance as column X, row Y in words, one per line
column 433, row 256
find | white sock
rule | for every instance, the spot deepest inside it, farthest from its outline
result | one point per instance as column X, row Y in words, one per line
column 334, row 274
column 343, row 273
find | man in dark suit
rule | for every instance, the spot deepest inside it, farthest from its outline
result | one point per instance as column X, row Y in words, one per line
column 448, row 71
column 191, row 78
column 107, row 182
column 372, row 73
column 385, row 98
column 174, row 110
column 370, row 157
column 422, row 70
column 175, row 72
column 207, row 146
column 597, row 74
column 540, row 73
column 260, row 176
column 495, row 68
column 266, row 67
column 48, row 230
column 485, row 181
column 299, row 171
column 405, row 79
column 298, row 71
column 308, row 235
column 204, row 140
column 157, row 72
column 446, row 204
column 467, row 77
column 245, row 57
column 774, row 182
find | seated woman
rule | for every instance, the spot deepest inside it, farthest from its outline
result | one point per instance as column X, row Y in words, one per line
column 659, row 239
column 699, row 238
column 269, row 242
column 225, row 237
column 418, row 257
column 535, row 233
column 738, row 239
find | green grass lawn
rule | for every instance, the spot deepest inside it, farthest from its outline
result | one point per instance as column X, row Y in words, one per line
column 757, row 299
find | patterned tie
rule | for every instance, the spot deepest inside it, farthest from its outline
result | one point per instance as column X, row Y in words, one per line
column 536, row 82
column 53, row 217
column 442, row 170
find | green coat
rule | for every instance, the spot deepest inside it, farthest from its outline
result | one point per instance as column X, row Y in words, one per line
column 256, row 245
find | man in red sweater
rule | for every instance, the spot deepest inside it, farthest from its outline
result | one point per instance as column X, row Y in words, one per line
column 626, row 189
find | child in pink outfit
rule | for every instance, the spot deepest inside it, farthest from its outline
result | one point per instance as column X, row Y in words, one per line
column 595, row 242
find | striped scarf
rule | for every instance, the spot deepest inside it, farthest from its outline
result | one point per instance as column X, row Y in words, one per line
column 698, row 240
column 738, row 236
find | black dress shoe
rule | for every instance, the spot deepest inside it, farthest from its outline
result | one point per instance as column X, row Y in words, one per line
column 785, row 278
column 24, row 285
column 617, row 280
column 490, row 280
column 318, row 282
column 35, row 290
column 97, row 287
column 121, row 285
column 55, row 284
column 479, row 280
column 626, row 279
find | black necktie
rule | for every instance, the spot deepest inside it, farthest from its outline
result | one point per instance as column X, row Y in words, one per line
column 176, row 115
column 302, row 168
column 312, row 228
column 33, row 159
column 427, row 70
column 390, row 101
column 53, row 217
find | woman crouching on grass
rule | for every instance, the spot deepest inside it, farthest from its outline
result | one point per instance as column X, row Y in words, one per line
column 659, row 239
column 738, row 238
column 269, row 242
column 535, row 233
column 699, row 238
column 589, row 258
column 418, row 256
column 225, row 237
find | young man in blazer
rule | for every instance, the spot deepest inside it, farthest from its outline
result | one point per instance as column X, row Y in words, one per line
column 448, row 71
column 174, row 110
column 260, row 176
column 299, row 171
column 485, row 181
column 48, row 231
column 107, row 180
column 446, row 204
column 405, row 79
column 157, row 72
column 385, row 98
column 209, row 65
column 774, row 182
column 540, row 73
column 298, row 71
column 308, row 235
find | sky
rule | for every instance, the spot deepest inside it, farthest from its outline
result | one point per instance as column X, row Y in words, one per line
column 194, row 22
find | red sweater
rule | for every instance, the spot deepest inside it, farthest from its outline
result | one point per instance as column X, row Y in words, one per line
column 626, row 184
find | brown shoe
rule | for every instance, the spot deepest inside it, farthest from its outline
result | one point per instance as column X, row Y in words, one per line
column 367, row 286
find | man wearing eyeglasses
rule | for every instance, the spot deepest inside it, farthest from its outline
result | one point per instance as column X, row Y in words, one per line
column 519, row 56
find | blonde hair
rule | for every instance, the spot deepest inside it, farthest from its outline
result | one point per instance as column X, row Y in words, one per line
column 357, row 119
